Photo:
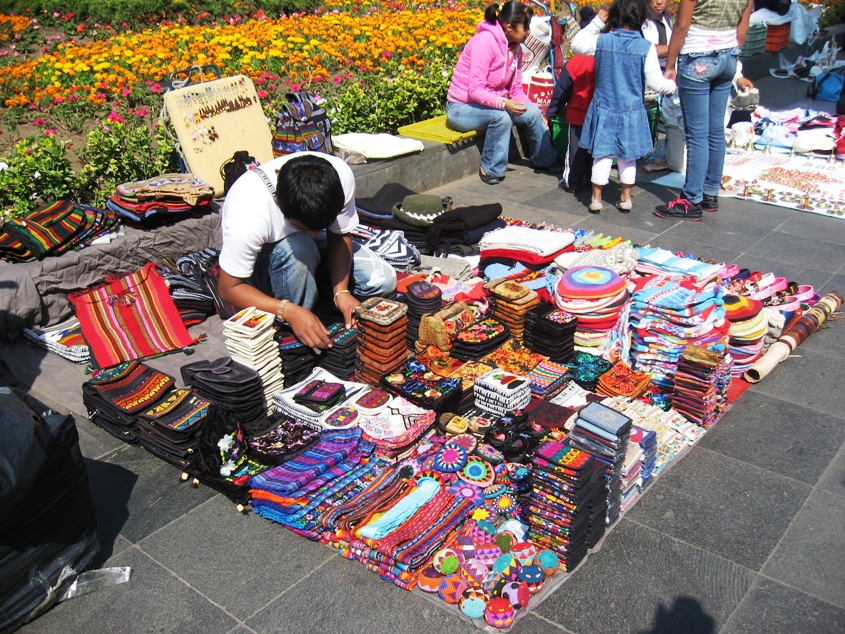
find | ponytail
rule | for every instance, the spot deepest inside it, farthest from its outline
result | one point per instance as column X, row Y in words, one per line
column 512, row 12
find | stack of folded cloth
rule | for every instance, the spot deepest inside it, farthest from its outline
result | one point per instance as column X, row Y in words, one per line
column 480, row 339
column 192, row 298
column 604, row 433
column 621, row 380
column 701, row 386
column 500, row 392
column 421, row 298
column 458, row 229
column 142, row 201
column 631, row 480
column 231, row 385
column 748, row 328
column 585, row 369
column 320, row 400
column 63, row 339
column 170, row 429
column 598, row 297
column 298, row 360
column 548, row 379
column 666, row 316
column 54, row 229
column 340, row 358
column 392, row 247
column 568, row 502
column 647, row 441
column 249, row 339
column 662, row 261
column 551, row 332
column 382, row 347
column 511, row 302
column 533, row 247
column 117, row 396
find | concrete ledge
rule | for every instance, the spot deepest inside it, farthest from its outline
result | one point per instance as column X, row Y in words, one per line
column 438, row 164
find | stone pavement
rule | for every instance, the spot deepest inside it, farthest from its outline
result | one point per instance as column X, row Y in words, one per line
column 745, row 534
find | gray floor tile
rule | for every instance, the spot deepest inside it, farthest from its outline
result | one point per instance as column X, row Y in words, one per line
column 810, row 379
column 560, row 218
column 752, row 213
column 242, row 629
column 811, row 556
column 533, row 624
column 833, row 479
column 817, row 254
column 641, row 581
column 815, row 227
column 135, row 494
column 349, row 598
column 760, row 430
column 716, row 232
column 783, row 610
column 152, row 601
column 519, row 185
column 747, row 508
column 791, row 271
column 246, row 578
column 95, row 442
column 558, row 200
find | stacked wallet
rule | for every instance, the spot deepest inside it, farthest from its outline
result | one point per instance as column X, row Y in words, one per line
column 232, row 386
column 501, row 392
column 480, row 339
column 551, row 332
column 511, row 302
column 382, row 344
column 421, row 298
column 249, row 339
column 340, row 358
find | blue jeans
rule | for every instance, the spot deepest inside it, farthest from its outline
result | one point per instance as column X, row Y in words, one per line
column 466, row 117
column 704, row 85
column 287, row 269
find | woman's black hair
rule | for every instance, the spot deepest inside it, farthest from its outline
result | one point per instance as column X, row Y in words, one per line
column 512, row 12
column 630, row 14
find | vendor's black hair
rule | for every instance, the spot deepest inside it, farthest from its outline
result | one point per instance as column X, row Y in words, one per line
column 309, row 191
column 512, row 12
column 630, row 14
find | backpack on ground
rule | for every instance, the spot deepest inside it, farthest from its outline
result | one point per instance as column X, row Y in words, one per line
column 826, row 87
column 233, row 168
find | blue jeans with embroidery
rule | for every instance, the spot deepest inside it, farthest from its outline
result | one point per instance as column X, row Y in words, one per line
column 287, row 269
column 466, row 117
column 704, row 85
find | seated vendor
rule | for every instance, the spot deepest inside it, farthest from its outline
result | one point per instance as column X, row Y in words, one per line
column 278, row 221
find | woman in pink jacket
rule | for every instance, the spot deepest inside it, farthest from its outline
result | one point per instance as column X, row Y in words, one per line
column 486, row 92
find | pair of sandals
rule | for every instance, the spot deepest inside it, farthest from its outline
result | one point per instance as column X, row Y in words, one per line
column 625, row 206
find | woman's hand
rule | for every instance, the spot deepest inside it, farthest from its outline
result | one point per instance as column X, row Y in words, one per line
column 307, row 328
column 603, row 14
column 670, row 73
column 515, row 108
column 744, row 84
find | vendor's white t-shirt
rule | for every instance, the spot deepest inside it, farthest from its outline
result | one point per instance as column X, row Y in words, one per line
column 250, row 217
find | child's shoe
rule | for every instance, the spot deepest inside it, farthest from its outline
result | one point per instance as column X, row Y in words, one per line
column 625, row 206
column 595, row 206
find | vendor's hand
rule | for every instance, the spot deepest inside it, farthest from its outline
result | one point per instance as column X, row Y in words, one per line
column 515, row 108
column 346, row 304
column 307, row 328
column 604, row 14
column 670, row 73
column 744, row 84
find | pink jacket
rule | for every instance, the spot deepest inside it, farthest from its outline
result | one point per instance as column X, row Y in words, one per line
column 483, row 75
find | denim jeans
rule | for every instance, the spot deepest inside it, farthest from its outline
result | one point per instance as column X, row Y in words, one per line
column 704, row 85
column 287, row 269
column 498, row 123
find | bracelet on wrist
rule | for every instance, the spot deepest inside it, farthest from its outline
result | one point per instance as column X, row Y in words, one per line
column 280, row 312
column 334, row 298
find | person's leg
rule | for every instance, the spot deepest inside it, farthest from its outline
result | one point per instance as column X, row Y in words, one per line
column 695, row 100
column 600, row 178
column 371, row 275
column 577, row 161
column 543, row 153
column 286, row 269
column 627, row 176
column 497, row 123
column 720, row 90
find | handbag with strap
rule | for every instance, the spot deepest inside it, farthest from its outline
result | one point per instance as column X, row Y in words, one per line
column 302, row 126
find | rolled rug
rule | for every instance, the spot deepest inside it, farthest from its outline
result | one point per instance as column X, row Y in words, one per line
column 794, row 335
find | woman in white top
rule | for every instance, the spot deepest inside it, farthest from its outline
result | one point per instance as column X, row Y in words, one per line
column 658, row 28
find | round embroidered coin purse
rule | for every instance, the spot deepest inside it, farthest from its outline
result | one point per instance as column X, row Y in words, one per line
column 506, row 566
column 499, row 613
column 429, row 579
column 467, row 441
column 465, row 546
column 548, row 561
column 343, row 418
column 473, row 607
column 492, row 583
column 450, row 458
column 517, row 593
column 474, row 571
column 488, row 552
column 505, row 541
column 373, row 402
column 490, row 454
column 451, row 588
column 525, row 552
column 441, row 556
column 534, row 576
column 477, row 472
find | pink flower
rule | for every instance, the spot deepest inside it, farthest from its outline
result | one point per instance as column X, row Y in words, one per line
column 125, row 92
column 114, row 117
column 387, row 54
column 58, row 99
column 337, row 79
column 100, row 95
column 156, row 88
column 319, row 79
column 50, row 132
column 261, row 93
column 295, row 87
column 142, row 112
column 40, row 121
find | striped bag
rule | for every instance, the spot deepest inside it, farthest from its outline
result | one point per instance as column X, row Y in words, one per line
column 49, row 230
column 128, row 318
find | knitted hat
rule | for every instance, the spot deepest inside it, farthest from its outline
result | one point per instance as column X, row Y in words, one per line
column 420, row 210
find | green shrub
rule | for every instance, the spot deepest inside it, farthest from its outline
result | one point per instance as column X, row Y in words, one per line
column 38, row 172
column 387, row 100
